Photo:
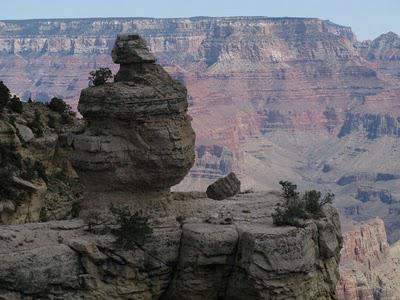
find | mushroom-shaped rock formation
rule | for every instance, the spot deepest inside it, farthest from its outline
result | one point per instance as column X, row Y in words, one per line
column 138, row 135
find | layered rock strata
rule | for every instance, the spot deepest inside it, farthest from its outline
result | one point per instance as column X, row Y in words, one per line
column 369, row 266
column 138, row 134
column 224, row 187
column 195, row 259
column 37, row 181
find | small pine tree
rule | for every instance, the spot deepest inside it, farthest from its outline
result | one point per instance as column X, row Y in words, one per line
column 37, row 125
column 15, row 104
column 296, row 206
column 133, row 228
column 100, row 76
column 5, row 95
column 58, row 105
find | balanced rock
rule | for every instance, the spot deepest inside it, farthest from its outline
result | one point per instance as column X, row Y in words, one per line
column 224, row 187
column 139, row 135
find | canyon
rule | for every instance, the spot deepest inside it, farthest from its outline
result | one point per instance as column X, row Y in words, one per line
column 129, row 236
column 271, row 99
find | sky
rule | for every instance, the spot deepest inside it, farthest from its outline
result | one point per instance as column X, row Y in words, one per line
column 368, row 18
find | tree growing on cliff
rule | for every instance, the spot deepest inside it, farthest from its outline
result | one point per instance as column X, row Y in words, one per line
column 133, row 228
column 298, row 206
column 15, row 104
column 100, row 76
column 130, row 229
column 58, row 105
column 5, row 95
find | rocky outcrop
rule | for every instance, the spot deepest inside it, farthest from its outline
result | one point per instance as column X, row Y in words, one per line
column 224, row 187
column 139, row 136
column 373, row 125
column 196, row 260
column 37, row 181
column 384, row 53
column 369, row 267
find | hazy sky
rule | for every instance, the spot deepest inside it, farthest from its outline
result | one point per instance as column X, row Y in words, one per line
column 368, row 18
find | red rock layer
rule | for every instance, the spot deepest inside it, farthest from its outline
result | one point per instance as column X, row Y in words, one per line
column 369, row 267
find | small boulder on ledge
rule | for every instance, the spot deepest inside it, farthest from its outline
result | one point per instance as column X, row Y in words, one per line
column 224, row 187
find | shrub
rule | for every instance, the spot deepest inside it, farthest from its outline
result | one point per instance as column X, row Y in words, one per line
column 41, row 170
column 5, row 95
column 93, row 218
column 15, row 104
column 133, row 228
column 10, row 164
column 100, row 76
column 76, row 209
column 37, row 125
column 296, row 206
column 66, row 118
column 58, row 105
column 53, row 122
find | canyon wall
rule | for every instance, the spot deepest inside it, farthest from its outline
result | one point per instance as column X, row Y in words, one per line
column 369, row 267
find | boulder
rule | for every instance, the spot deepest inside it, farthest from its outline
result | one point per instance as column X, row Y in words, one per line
column 131, row 48
column 24, row 184
column 139, row 135
column 224, row 187
column 25, row 132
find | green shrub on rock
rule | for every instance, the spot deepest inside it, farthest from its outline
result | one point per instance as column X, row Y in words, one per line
column 5, row 95
column 133, row 228
column 298, row 207
column 15, row 104
column 66, row 118
column 58, row 105
column 100, row 76
column 37, row 125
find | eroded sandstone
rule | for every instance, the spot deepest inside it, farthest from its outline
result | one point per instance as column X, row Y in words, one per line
column 138, row 134
column 249, row 259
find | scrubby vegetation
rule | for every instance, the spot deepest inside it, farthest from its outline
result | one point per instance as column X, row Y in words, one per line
column 297, row 207
column 13, row 165
column 100, row 76
column 130, row 229
column 133, row 228
column 37, row 125
column 63, row 109
column 5, row 96
column 58, row 105
column 15, row 104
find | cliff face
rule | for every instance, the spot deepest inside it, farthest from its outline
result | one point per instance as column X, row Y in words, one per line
column 384, row 52
column 225, row 63
column 197, row 260
column 37, row 181
column 369, row 267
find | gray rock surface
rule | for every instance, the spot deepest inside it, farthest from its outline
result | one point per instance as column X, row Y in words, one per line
column 36, row 177
column 224, row 187
column 25, row 132
column 139, row 136
column 249, row 259
column 130, row 49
